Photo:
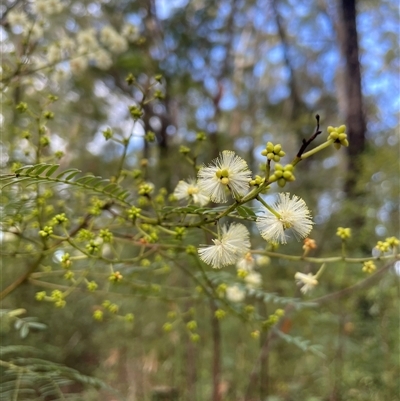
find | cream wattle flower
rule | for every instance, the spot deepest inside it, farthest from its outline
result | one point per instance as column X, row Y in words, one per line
column 231, row 245
column 228, row 171
column 190, row 190
column 308, row 281
column 235, row 294
column 291, row 213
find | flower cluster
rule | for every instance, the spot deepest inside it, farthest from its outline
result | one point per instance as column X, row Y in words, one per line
column 228, row 172
column 232, row 244
column 191, row 191
column 286, row 214
column 307, row 281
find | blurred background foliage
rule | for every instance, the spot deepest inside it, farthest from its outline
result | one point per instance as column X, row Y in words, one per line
column 244, row 72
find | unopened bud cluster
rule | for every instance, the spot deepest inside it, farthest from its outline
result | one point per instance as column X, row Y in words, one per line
column 273, row 152
column 338, row 135
column 369, row 267
column 283, row 174
column 343, row 233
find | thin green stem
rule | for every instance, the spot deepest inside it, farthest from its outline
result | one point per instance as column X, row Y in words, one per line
column 274, row 212
column 316, row 150
column 320, row 271
column 331, row 259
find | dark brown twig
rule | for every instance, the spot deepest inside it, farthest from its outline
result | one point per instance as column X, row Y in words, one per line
column 305, row 143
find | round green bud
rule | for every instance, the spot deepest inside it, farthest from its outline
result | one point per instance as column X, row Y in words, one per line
column 192, row 325
column 277, row 148
column 22, row 107
column 255, row 334
column 287, row 175
column 40, row 296
column 270, row 147
column 167, row 327
column 98, row 315
column 129, row 317
column 281, row 182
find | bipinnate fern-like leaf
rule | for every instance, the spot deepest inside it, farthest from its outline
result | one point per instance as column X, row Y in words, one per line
column 220, row 277
column 301, row 343
column 46, row 173
column 32, row 378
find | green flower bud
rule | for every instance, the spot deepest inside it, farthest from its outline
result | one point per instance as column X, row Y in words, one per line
column 277, row 148
column 22, row 107
column 98, row 315
column 255, row 334
column 108, row 133
column 46, row 232
column 343, row 233
column 194, row 337
column 281, row 182
column 113, row 308
column 191, row 250
column 150, row 136
column 135, row 112
column 48, row 115
column 129, row 317
column 369, row 267
column 192, row 325
column 167, row 327
column 40, row 296
column 201, row 136
column 130, row 79
column 220, row 314
column 91, row 286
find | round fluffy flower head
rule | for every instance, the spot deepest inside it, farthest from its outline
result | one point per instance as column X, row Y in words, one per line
column 246, row 263
column 231, row 245
column 47, row 7
column 228, row 171
column 235, row 294
column 17, row 18
column 190, row 190
column 292, row 213
column 308, row 281
column 253, row 280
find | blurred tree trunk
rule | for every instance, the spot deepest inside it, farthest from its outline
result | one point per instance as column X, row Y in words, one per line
column 294, row 107
column 355, row 119
column 216, row 364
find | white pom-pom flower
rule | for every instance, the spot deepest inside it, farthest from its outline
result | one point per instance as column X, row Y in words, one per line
column 190, row 190
column 290, row 214
column 228, row 171
column 308, row 281
column 235, row 294
column 246, row 263
column 253, row 280
column 231, row 245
